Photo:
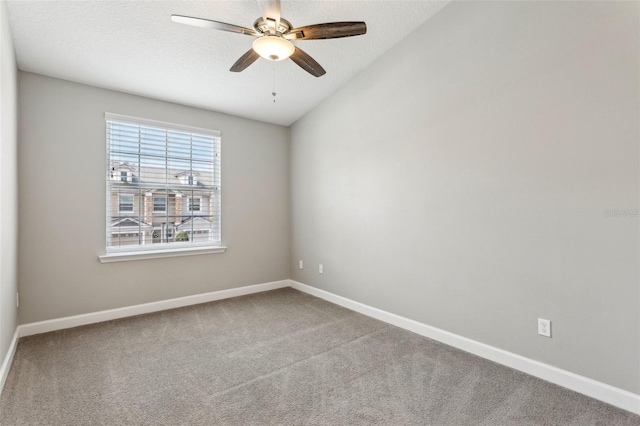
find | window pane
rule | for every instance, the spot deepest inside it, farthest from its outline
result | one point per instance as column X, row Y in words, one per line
column 159, row 204
column 164, row 185
column 194, row 204
column 126, row 203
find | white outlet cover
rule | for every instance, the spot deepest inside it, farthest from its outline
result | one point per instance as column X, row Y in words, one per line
column 544, row 327
column 320, row 269
column 300, row 264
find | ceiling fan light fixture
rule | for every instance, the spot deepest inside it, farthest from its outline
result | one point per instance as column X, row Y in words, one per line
column 273, row 47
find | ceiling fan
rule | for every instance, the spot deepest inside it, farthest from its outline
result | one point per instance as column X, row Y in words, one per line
column 273, row 34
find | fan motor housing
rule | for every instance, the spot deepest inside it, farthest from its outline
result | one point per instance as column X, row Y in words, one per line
column 264, row 26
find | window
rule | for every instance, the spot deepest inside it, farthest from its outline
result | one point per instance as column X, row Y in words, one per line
column 159, row 204
column 125, row 203
column 194, row 204
column 163, row 157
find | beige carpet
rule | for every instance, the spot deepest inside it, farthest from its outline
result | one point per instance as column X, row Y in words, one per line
column 281, row 357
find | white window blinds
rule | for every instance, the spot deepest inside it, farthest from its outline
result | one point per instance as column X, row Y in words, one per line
column 156, row 171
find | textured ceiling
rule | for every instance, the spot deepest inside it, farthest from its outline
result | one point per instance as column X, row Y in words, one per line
column 134, row 47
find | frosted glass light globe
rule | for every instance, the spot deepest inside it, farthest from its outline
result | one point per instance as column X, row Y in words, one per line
column 273, row 48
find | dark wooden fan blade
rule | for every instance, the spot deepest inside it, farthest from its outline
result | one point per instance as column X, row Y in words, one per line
column 244, row 61
column 307, row 63
column 215, row 25
column 328, row 30
column 270, row 10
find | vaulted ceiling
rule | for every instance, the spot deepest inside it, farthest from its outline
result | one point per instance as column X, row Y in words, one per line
column 134, row 47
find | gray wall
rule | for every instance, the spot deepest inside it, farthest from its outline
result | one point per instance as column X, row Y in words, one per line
column 8, row 185
column 62, row 161
column 463, row 180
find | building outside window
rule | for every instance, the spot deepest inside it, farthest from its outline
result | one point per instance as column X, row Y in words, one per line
column 172, row 173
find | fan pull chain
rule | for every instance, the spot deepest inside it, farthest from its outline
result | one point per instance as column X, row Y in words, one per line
column 273, row 92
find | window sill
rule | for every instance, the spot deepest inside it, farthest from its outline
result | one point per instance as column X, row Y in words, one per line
column 155, row 254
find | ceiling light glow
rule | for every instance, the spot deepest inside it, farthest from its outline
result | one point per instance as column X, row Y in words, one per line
column 273, row 47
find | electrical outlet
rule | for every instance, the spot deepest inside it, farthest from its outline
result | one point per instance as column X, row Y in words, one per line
column 300, row 264
column 17, row 300
column 544, row 327
column 320, row 269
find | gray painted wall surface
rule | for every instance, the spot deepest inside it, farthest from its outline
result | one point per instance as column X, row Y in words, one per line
column 62, row 204
column 8, row 185
column 463, row 180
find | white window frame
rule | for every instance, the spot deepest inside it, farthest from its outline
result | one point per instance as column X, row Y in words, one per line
column 190, row 201
column 170, row 249
column 153, row 204
column 133, row 205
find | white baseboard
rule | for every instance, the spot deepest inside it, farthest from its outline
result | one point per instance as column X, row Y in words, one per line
column 8, row 359
column 129, row 311
column 597, row 390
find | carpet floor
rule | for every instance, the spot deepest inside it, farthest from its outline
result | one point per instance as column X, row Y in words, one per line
column 279, row 357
